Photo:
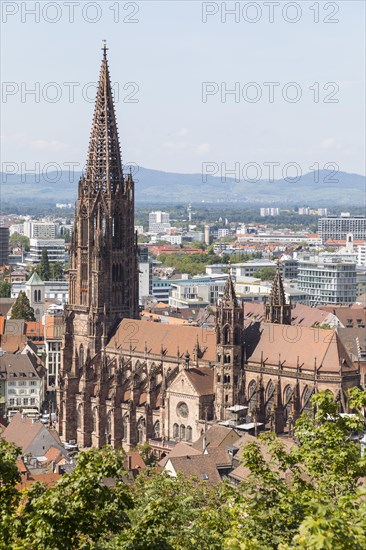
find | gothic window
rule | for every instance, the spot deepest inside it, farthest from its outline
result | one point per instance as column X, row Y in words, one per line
column 124, row 427
column 81, row 356
column 189, row 433
column 252, row 389
column 175, row 431
column 141, row 430
column 80, row 416
column 157, row 429
column 218, row 378
column 182, row 431
column 84, row 272
column 287, row 399
column 36, row 295
column 270, row 396
column 218, row 335
column 109, row 429
column 95, row 419
column 237, row 336
column 306, row 402
column 39, row 295
column 84, row 232
column 226, row 335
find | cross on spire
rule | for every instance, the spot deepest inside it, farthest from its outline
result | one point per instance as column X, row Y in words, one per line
column 105, row 49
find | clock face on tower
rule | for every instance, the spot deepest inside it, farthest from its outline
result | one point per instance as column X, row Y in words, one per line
column 182, row 409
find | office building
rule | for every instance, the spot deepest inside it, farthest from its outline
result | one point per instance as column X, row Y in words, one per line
column 327, row 280
column 335, row 228
column 158, row 222
column 39, row 230
column 4, row 245
column 55, row 250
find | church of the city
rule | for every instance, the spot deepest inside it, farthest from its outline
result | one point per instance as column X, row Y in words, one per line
column 124, row 381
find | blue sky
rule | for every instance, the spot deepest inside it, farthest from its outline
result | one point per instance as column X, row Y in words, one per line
column 168, row 54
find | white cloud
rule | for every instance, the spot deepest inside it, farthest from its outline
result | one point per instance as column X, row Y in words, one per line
column 199, row 149
column 175, row 145
column 203, row 148
column 328, row 143
column 43, row 145
column 183, row 132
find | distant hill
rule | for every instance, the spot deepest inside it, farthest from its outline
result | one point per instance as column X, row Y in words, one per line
column 154, row 186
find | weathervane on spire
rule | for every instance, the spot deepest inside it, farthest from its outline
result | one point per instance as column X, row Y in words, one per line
column 104, row 48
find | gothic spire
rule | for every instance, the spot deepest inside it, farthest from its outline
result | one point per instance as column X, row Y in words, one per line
column 278, row 293
column 229, row 298
column 104, row 165
column 277, row 310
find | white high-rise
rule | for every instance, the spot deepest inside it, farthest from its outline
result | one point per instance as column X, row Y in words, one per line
column 159, row 222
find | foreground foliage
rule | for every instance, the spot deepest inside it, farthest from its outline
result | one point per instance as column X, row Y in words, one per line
column 307, row 497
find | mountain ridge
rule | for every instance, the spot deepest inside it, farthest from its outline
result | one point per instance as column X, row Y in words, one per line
column 161, row 187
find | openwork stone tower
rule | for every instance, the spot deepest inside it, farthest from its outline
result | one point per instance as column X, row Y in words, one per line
column 103, row 275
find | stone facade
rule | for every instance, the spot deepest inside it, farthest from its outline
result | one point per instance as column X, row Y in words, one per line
column 124, row 381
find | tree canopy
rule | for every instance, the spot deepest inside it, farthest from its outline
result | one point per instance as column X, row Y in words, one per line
column 22, row 309
column 21, row 241
column 5, row 289
column 307, row 496
column 43, row 268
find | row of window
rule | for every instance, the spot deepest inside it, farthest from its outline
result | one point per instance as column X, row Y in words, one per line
column 182, row 432
column 22, row 401
column 12, row 391
column 22, row 383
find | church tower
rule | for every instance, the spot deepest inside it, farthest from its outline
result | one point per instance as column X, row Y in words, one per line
column 229, row 375
column 277, row 310
column 103, row 274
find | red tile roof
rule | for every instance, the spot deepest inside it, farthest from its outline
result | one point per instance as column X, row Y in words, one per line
column 155, row 336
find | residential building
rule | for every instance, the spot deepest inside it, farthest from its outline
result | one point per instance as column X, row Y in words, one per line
column 55, row 250
column 361, row 254
column 161, row 290
column 33, row 437
column 269, row 212
column 17, row 228
column 39, row 230
column 24, row 383
column 172, row 239
column 158, row 222
column 145, row 267
column 223, row 232
column 196, row 294
column 54, row 331
column 327, row 280
column 337, row 227
column 4, row 245
column 248, row 269
column 304, row 211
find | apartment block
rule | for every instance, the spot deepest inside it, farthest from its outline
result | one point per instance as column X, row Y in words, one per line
column 327, row 280
column 337, row 227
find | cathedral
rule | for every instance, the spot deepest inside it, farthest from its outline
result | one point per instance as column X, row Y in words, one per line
column 124, row 381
